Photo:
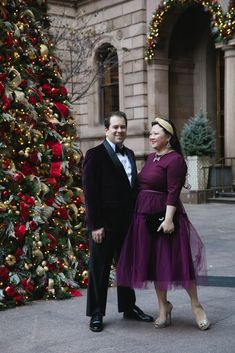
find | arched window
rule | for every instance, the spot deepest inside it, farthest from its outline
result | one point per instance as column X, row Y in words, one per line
column 108, row 80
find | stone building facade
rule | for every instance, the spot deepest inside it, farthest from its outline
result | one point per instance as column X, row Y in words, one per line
column 189, row 71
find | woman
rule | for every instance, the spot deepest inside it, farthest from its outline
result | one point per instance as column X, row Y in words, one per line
column 173, row 256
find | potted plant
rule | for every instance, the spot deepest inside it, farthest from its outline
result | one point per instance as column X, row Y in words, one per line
column 198, row 143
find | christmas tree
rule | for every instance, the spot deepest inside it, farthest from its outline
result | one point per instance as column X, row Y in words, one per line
column 198, row 137
column 43, row 245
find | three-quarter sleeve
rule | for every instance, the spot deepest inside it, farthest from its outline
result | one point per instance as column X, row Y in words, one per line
column 176, row 173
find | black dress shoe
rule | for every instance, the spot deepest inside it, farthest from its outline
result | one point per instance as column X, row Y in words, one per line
column 137, row 314
column 96, row 323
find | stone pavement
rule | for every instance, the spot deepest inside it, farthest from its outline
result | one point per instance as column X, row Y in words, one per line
column 62, row 327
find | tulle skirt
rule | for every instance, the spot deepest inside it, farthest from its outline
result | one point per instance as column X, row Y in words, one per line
column 170, row 261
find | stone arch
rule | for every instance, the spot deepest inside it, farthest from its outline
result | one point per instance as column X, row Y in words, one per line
column 222, row 24
column 182, row 75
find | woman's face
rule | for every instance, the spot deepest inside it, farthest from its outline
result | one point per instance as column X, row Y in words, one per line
column 158, row 138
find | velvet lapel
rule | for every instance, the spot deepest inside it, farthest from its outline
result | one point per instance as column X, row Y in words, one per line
column 118, row 164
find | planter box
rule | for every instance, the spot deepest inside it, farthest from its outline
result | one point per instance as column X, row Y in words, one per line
column 198, row 170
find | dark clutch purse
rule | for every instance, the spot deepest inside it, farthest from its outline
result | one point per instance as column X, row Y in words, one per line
column 153, row 221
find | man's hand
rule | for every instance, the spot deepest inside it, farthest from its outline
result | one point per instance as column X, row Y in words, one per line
column 98, row 235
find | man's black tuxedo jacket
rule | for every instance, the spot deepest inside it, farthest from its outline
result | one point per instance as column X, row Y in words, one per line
column 109, row 197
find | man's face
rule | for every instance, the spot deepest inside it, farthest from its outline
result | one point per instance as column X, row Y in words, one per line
column 116, row 133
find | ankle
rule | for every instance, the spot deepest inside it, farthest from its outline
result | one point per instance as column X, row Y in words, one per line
column 196, row 305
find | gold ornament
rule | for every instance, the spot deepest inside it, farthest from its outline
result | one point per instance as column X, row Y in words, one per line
column 31, row 54
column 85, row 274
column 20, row 25
column 20, row 97
column 44, row 188
column 14, row 83
column 44, row 50
column 76, row 156
column 40, row 271
column 51, row 289
column 27, row 266
column 37, row 253
column 10, row 260
column 2, row 206
column 16, row 55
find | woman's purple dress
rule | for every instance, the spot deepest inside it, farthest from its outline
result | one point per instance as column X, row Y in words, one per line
column 171, row 261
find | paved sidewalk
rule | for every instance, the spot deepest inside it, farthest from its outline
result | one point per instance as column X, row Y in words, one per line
column 62, row 327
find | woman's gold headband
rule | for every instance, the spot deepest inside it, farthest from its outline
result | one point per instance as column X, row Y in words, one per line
column 167, row 126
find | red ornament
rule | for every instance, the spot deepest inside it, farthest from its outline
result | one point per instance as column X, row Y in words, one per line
column 62, row 212
column 8, row 57
column 85, row 281
column 82, row 247
column 3, row 77
column 20, row 231
column 55, row 169
column 32, row 225
column 28, row 169
column 32, row 100
column 34, row 40
column 29, row 200
column 57, row 150
column 5, row 164
column 6, row 103
column 2, row 89
column 63, row 91
column 4, row 273
column 9, row 40
column 49, row 201
column 18, row 177
column 46, row 88
column 53, row 241
column 62, row 108
column 24, row 209
column 78, row 200
column 9, row 291
column 23, row 84
column 19, row 253
column 6, row 193
column 33, row 157
column 54, row 92
column 27, row 285
column 75, row 293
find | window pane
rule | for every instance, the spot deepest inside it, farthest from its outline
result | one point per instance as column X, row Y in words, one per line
column 108, row 81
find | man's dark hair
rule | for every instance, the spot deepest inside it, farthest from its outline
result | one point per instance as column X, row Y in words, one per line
column 117, row 113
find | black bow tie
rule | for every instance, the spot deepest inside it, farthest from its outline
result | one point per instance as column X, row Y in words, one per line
column 121, row 150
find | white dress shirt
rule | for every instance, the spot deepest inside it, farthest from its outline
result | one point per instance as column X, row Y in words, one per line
column 124, row 160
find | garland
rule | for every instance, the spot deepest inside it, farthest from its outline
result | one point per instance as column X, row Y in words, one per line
column 222, row 25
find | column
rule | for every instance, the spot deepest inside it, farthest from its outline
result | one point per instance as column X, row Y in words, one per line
column 229, row 100
column 158, row 88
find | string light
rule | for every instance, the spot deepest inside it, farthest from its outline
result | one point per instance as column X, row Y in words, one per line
column 222, row 24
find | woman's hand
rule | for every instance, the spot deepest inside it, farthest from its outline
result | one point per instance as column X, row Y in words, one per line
column 98, row 235
column 167, row 226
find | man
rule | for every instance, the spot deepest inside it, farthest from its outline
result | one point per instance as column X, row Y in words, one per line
column 110, row 186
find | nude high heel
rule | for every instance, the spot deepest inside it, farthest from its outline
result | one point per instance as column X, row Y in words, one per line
column 167, row 322
column 204, row 323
